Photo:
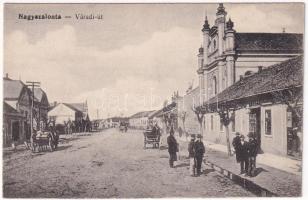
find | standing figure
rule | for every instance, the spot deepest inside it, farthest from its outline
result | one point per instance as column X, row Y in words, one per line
column 243, row 154
column 199, row 152
column 252, row 154
column 172, row 148
column 295, row 142
column 191, row 153
column 236, row 142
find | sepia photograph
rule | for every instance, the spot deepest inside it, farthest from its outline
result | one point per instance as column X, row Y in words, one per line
column 152, row 100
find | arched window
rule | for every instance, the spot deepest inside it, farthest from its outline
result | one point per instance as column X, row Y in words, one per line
column 214, row 85
column 214, row 44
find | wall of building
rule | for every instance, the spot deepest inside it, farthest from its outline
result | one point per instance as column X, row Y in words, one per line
column 185, row 105
column 138, row 123
column 8, row 121
column 275, row 143
column 62, row 113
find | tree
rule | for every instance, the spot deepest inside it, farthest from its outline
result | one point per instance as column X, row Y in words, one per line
column 183, row 116
column 200, row 115
column 225, row 119
column 291, row 97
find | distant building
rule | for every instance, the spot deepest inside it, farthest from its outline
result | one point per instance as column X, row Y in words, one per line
column 99, row 124
column 140, row 120
column 77, row 113
column 166, row 117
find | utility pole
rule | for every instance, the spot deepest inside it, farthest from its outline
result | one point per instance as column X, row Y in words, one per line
column 33, row 85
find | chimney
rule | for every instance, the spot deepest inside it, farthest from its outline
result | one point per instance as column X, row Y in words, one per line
column 260, row 69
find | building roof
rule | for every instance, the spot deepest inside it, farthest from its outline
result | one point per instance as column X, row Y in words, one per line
column 12, row 88
column 38, row 94
column 277, row 77
column 167, row 109
column 82, row 107
column 118, row 119
column 142, row 114
column 7, row 108
column 269, row 42
column 155, row 113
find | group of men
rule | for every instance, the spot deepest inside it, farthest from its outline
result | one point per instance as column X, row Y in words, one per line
column 196, row 152
column 246, row 153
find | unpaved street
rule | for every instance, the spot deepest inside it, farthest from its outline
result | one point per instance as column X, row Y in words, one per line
column 107, row 164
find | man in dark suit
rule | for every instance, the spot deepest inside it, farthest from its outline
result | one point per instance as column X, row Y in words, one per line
column 243, row 154
column 252, row 154
column 199, row 152
column 235, row 142
column 172, row 148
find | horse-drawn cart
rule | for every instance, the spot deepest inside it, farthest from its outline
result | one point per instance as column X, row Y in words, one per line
column 44, row 140
column 151, row 137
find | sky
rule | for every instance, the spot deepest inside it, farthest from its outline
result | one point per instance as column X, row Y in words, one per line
column 131, row 60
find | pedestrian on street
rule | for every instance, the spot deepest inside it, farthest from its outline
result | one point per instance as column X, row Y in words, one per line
column 252, row 155
column 172, row 148
column 236, row 142
column 191, row 153
column 243, row 155
column 199, row 152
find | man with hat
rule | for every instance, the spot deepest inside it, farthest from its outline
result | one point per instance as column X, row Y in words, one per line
column 235, row 142
column 191, row 154
column 252, row 154
column 172, row 148
column 199, row 152
column 243, row 154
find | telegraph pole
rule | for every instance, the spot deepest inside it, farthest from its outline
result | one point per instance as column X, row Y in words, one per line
column 33, row 85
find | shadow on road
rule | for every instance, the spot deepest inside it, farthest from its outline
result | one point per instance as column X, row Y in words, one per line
column 61, row 148
column 182, row 165
column 207, row 171
column 259, row 170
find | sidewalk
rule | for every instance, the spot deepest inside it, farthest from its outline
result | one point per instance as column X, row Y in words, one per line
column 277, row 182
column 283, row 163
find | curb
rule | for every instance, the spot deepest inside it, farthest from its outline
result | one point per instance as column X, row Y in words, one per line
column 245, row 183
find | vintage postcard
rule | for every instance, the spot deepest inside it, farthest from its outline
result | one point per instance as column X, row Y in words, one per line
column 156, row 100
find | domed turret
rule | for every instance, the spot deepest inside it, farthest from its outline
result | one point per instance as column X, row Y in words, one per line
column 206, row 26
column 201, row 50
column 229, row 24
column 221, row 10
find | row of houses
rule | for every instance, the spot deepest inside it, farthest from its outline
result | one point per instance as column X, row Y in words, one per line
column 101, row 124
column 17, row 104
column 248, row 83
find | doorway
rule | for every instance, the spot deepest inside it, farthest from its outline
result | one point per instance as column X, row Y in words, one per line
column 15, row 131
column 255, row 125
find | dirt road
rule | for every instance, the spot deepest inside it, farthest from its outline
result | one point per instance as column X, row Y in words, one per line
column 107, row 164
